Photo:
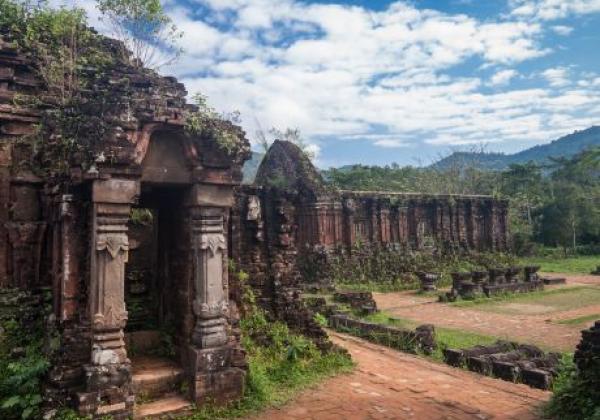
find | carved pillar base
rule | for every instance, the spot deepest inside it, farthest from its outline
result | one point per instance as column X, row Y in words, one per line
column 108, row 392
column 219, row 374
column 210, row 333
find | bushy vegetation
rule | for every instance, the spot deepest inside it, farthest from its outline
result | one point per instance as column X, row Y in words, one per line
column 382, row 269
column 23, row 364
column 575, row 397
column 280, row 364
column 555, row 204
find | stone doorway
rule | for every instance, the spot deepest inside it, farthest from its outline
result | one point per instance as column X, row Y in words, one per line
column 154, row 337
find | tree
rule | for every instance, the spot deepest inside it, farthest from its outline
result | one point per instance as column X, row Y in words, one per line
column 145, row 29
column 289, row 134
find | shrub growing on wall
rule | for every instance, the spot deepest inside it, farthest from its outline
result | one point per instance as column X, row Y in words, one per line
column 388, row 267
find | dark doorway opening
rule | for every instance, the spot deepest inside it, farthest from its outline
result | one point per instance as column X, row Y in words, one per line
column 155, row 233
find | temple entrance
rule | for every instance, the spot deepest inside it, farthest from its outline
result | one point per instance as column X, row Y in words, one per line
column 152, row 286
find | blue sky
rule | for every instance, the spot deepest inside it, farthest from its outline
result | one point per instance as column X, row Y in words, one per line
column 377, row 82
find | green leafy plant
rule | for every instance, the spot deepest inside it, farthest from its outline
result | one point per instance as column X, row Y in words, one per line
column 574, row 398
column 281, row 363
column 320, row 319
column 23, row 364
column 146, row 30
column 205, row 122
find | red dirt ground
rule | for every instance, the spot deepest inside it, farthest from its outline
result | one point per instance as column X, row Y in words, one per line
column 391, row 385
column 539, row 329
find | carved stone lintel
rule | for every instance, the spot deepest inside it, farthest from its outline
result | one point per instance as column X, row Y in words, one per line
column 210, row 303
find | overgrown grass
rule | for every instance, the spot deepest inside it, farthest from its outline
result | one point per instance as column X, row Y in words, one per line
column 547, row 301
column 570, row 265
column 371, row 286
column 579, row 320
column 445, row 337
column 280, row 365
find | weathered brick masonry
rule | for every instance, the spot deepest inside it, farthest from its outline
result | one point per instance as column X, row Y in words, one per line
column 291, row 211
column 70, row 230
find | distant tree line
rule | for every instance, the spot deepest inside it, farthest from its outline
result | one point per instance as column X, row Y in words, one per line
column 555, row 204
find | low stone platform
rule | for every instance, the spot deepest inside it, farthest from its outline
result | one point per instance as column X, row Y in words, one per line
column 508, row 361
column 156, row 384
column 361, row 301
column 514, row 279
column 491, row 290
column 551, row 281
column 412, row 341
column 153, row 377
column 171, row 406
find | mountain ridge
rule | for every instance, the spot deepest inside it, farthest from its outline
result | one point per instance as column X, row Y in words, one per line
column 565, row 146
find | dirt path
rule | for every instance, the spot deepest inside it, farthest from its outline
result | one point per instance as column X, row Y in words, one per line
column 539, row 329
column 391, row 385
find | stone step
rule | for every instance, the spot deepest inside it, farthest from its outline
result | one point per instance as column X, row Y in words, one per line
column 169, row 407
column 153, row 377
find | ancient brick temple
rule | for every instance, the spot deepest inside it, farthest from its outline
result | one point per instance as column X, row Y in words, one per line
column 291, row 211
column 70, row 230
column 130, row 219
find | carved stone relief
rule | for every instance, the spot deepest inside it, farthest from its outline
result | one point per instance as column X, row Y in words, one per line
column 253, row 208
column 210, row 303
column 107, row 297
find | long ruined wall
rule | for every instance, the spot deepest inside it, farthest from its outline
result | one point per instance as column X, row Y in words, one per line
column 290, row 212
column 407, row 220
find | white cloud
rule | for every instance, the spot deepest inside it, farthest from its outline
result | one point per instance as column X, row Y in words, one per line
column 557, row 77
column 391, row 143
column 382, row 76
column 553, row 9
column 503, row 77
column 562, row 30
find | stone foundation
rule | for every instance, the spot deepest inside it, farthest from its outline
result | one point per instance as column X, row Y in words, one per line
column 508, row 361
column 497, row 281
column 421, row 339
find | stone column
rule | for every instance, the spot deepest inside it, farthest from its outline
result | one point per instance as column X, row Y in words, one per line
column 209, row 305
column 68, row 265
column 374, row 235
column 5, row 162
column 349, row 209
column 216, row 361
column 108, row 377
column 384, row 225
column 338, row 219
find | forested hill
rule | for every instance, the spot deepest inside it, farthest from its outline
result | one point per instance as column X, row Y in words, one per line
column 566, row 146
column 251, row 167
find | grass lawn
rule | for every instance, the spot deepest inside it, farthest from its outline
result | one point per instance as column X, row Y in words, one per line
column 446, row 337
column 537, row 302
column 579, row 320
column 571, row 265
column 376, row 287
